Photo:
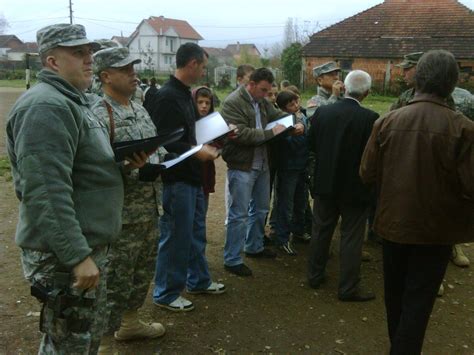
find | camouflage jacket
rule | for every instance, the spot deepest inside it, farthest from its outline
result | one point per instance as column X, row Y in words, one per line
column 133, row 122
column 323, row 97
column 461, row 100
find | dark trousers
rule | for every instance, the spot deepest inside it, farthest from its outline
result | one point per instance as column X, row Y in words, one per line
column 326, row 214
column 412, row 277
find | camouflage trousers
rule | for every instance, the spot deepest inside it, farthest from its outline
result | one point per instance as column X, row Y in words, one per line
column 62, row 335
column 131, row 269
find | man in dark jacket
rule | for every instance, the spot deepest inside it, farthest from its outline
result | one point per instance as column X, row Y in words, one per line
column 182, row 247
column 422, row 158
column 337, row 137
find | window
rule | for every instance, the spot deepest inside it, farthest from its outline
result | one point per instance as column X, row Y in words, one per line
column 345, row 64
column 170, row 43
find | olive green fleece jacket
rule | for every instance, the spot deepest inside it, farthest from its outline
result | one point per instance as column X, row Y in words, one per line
column 69, row 186
column 237, row 109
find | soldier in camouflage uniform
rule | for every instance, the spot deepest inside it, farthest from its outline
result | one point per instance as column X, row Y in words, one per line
column 133, row 256
column 460, row 100
column 70, row 193
column 330, row 87
column 96, row 87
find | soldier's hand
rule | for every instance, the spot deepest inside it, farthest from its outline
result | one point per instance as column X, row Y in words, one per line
column 86, row 274
column 278, row 129
column 337, row 88
column 137, row 161
column 207, row 152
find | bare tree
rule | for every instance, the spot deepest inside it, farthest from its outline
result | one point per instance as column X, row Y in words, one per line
column 147, row 54
column 3, row 24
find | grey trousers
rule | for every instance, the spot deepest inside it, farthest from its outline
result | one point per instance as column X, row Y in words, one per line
column 326, row 213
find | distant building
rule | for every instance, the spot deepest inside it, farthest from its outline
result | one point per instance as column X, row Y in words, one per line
column 18, row 54
column 376, row 39
column 123, row 41
column 238, row 49
column 157, row 39
column 7, row 43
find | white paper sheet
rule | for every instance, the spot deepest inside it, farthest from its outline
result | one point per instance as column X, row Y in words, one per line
column 210, row 127
column 286, row 121
column 172, row 162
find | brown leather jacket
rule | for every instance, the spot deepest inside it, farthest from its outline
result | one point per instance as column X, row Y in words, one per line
column 422, row 160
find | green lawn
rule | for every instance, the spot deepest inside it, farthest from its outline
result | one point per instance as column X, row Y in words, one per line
column 378, row 103
column 4, row 167
column 13, row 83
column 375, row 102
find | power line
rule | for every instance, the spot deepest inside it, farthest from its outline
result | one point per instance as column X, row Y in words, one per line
column 279, row 25
column 37, row 19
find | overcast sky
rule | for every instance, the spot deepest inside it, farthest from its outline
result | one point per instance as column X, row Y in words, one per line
column 219, row 22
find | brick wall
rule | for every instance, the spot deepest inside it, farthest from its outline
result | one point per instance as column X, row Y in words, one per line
column 376, row 68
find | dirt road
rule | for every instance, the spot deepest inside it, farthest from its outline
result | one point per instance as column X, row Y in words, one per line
column 272, row 312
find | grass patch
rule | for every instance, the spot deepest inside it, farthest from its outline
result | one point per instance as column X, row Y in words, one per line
column 14, row 83
column 4, row 167
column 375, row 102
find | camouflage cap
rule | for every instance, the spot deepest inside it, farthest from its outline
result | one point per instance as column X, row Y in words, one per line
column 62, row 35
column 325, row 68
column 410, row 60
column 113, row 58
column 107, row 43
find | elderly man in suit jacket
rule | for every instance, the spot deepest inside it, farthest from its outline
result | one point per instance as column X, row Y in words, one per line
column 338, row 137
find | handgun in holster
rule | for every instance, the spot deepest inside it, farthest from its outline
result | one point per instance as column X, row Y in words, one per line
column 59, row 300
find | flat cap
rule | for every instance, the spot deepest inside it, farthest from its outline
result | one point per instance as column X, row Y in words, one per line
column 113, row 58
column 410, row 60
column 62, row 35
column 107, row 43
column 325, row 68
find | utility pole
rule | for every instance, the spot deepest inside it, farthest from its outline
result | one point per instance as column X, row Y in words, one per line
column 70, row 12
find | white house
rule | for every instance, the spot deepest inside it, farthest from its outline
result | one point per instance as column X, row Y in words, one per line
column 156, row 41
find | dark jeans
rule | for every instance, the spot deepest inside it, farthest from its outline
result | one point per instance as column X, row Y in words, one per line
column 181, row 258
column 326, row 214
column 412, row 277
column 290, row 205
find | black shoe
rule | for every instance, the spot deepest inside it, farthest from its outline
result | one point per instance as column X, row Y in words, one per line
column 265, row 253
column 317, row 284
column 267, row 240
column 287, row 248
column 305, row 238
column 358, row 296
column 239, row 270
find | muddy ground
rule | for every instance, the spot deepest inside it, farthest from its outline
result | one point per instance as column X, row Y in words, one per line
column 272, row 312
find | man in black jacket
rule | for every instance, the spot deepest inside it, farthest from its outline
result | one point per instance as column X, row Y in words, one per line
column 181, row 254
column 338, row 136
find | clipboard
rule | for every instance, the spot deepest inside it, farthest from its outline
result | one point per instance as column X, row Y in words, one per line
column 287, row 121
column 127, row 148
column 210, row 128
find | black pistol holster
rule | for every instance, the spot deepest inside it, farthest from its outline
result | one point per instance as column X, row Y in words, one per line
column 62, row 303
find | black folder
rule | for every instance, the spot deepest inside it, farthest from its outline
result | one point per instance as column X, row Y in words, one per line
column 127, row 148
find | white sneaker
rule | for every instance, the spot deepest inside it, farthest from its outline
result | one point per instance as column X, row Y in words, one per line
column 214, row 288
column 180, row 304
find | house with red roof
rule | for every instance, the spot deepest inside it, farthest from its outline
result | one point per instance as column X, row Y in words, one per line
column 157, row 39
column 376, row 39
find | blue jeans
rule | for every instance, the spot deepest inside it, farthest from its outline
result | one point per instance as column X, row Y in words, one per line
column 249, row 201
column 290, row 205
column 181, row 257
